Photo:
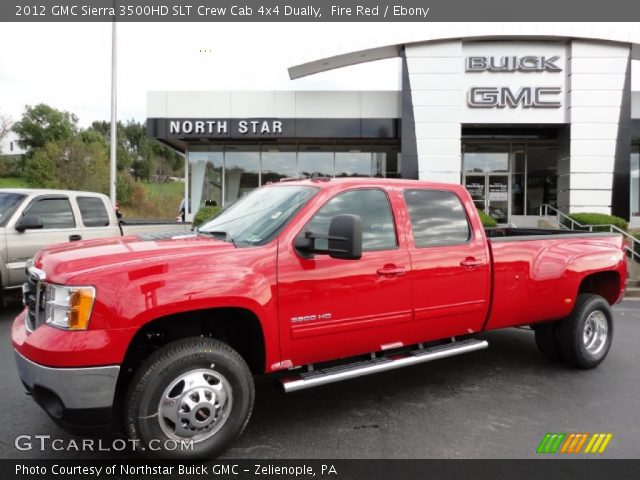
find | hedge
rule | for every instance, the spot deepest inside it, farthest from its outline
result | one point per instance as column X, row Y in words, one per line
column 204, row 214
column 487, row 221
column 599, row 219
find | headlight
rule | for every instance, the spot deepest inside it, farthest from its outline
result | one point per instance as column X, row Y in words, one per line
column 68, row 307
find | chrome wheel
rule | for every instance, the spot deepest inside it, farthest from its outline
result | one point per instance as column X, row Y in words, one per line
column 195, row 405
column 596, row 329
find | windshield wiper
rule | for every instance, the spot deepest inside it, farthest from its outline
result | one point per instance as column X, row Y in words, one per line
column 221, row 235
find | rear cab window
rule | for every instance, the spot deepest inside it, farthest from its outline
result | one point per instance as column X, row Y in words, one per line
column 438, row 218
column 93, row 212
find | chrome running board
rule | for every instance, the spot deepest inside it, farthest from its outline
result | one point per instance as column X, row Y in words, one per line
column 314, row 378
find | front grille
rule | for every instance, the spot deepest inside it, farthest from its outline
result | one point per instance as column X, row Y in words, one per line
column 33, row 298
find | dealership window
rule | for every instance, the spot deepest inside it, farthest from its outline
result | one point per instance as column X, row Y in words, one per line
column 386, row 161
column 486, row 158
column 278, row 162
column 316, row 159
column 518, row 184
column 542, row 177
column 220, row 174
column 510, row 178
column 635, row 181
column 242, row 171
column 205, row 169
column 353, row 163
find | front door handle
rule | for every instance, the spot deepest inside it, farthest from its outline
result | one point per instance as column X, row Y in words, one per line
column 391, row 271
column 471, row 262
column 75, row 238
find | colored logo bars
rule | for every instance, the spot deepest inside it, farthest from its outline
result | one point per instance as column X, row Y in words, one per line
column 574, row 443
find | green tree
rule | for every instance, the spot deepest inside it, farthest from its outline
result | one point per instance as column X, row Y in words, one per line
column 70, row 164
column 43, row 124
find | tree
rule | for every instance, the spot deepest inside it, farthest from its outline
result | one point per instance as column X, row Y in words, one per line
column 43, row 124
column 70, row 164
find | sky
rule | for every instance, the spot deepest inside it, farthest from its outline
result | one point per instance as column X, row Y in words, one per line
column 68, row 65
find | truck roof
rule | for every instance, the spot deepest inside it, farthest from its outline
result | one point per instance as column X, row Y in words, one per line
column 47, row 191
column 330, row 182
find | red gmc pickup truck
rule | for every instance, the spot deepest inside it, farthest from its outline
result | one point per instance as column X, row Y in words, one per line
column 319, row 279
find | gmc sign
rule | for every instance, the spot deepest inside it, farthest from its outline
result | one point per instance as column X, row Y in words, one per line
column 526, row 97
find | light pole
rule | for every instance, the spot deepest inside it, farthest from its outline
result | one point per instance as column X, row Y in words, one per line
column 114, row 125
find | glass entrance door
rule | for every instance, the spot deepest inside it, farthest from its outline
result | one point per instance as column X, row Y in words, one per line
column 498, row 197
column 490, row 193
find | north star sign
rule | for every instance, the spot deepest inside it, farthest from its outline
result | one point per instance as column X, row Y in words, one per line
column 221, row 127
column 525, row 97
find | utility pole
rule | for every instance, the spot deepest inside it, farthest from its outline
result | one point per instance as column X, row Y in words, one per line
column 114, row 123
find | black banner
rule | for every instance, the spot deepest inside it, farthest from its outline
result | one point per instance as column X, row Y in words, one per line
column 270, row 128
column 316, row 11
column 322, row 469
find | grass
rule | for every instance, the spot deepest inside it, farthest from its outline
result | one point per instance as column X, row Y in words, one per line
column 155, row 200
column 13, row 182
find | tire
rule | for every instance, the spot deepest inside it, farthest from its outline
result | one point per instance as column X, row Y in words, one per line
column 208, row 394
column 548, row 341
column 585, row 335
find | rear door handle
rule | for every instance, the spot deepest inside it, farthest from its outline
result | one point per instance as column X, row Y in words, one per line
column 471, row 262
column 75, row 238
column 391, row 271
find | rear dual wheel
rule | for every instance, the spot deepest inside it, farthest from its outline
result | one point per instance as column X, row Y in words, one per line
column 583, row 339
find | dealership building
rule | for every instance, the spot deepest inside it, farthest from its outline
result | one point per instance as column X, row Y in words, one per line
column 521, row 121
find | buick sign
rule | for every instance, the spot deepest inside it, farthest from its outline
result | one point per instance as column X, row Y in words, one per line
column 513, row 64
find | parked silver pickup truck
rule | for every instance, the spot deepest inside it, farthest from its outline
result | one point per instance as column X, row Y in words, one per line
column 31, row 219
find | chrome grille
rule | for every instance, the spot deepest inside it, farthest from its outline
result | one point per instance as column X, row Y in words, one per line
column 33, row 297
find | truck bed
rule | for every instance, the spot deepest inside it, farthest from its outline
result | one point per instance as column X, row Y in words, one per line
column 537, row 273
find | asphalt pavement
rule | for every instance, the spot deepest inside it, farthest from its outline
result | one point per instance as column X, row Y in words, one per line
column 495, row 403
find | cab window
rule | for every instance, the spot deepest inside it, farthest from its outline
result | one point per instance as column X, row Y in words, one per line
column 372, row 205
column 437, row 218
column 54, row 212
column 93, row 212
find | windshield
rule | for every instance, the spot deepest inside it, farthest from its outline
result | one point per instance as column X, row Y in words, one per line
column 8, row 204
column 257, row 217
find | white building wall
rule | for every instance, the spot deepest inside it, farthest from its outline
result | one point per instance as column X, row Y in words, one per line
column 592, row 83
column 435, row 77
column 274, row 104
column 597, row 73
column 9, row 145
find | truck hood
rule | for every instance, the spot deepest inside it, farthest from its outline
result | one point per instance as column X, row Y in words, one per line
column 64, row 261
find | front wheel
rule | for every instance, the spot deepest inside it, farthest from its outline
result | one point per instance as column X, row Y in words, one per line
column 189, row 399
column 585, row 336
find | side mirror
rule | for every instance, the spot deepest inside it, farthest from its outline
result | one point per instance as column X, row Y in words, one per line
column 29, row 222
column 345, row 239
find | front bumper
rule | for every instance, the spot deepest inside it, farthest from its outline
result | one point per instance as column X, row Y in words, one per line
column 73, row 397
